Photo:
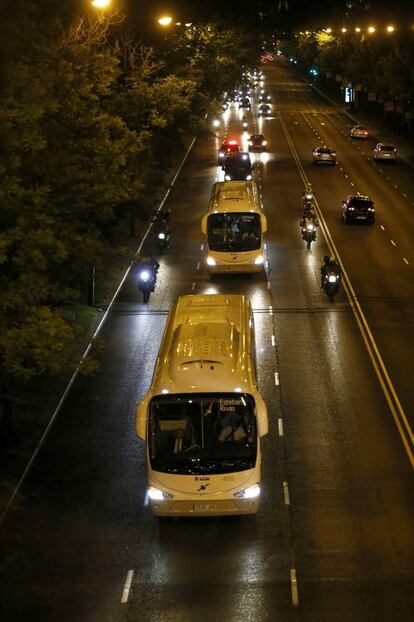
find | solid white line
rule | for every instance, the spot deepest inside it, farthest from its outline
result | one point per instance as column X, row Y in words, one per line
column 270, row 310
column 294, row 587
column 383, row 228
column 280, row 426
column 406, row 261
column 286, row 493
column 193, row 286
column 198, row 266
column 89, row 347
column 273, row 340
column 393, row 243
column 276, row 378
column 127, row 586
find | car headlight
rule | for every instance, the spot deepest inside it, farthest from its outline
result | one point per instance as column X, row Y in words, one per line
column 252, row 492
column 259, row 260
column 221, row 154
column 211, row 261
column 158, row 495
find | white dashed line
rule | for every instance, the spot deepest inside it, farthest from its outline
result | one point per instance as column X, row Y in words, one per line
column 273, row 340
column 270, row 310
column 393, row 243
column 407, row 262
column 387, row 177
column 286, row 493
column 127, row 586
column 404, row 195
column 198, row 266
column 280, row 426
column 269, row 285
column 352, row 183
column 276, row 378
column 193, row 286
column 202, row 247
column 294, row 587
column 346, row 175
column 381, row 170
column 395, row 186
column 383, row 228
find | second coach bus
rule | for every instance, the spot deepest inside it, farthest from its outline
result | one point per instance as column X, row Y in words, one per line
column 203, row 416
column 234, row 227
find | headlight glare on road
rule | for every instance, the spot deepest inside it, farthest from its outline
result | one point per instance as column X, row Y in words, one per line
column 252, row 492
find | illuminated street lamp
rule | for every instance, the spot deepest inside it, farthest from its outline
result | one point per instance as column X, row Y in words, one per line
column 101, row 4
column 328, row 30
column 357, row 29
column 371, row 29
column 165, row 20
column 343, row 29
column 390, row 28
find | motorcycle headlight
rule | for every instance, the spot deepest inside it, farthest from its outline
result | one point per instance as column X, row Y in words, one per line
column 161, row 236
column 144, row 275
column 211, row 261
column 310, row 227
column 332, row 278
column 309, row 197
column 252, row 492
column 159, row 495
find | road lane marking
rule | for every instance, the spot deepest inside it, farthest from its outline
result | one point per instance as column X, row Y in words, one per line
column 395, row 186
column 270, row 310
column 127, row 586
column 276, row 378
column 273, row 340
column 404, row 195
column 294, row 587
column 193, row 286
column 393, row 243
column 269, row 285
column 202, row 247
column 280, row 426
column 405, row 260
column 198, row 266
column 398, row 414
column 383, row 228
column 286, row 496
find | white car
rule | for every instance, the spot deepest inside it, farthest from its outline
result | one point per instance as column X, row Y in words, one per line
column 358, row 131
column 385, row 152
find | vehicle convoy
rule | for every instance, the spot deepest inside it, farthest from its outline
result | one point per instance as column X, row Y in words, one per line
column 234, row 226
column 237, row 167
column 203, row 416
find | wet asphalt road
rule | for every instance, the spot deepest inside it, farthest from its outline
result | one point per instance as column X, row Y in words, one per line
column 336, row 522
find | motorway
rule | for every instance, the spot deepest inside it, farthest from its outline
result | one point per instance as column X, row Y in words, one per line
column 334, row 538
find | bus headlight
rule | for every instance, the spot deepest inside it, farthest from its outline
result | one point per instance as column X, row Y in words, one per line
column 248, row 177
column 158, row 495
column 259, row 260
column 227, row 178
column 211, row 261
column 252, row 492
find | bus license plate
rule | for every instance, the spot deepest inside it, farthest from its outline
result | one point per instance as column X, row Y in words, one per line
column 204, row 507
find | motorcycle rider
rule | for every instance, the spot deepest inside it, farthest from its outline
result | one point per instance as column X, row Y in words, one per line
column 308, row 196
column 329, row 265
column 244, row 122
column 147, row 275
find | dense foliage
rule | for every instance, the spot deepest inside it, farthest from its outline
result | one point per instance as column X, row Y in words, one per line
column 87, row 113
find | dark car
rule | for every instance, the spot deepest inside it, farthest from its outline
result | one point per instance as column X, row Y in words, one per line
column 264, row 97
column 244, row 102
column 238, row 167
column 265, row 109
column 257, row 142
column 358, row 208
column 228, row 147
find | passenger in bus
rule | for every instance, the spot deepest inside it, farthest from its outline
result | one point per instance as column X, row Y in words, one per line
column 232, row 429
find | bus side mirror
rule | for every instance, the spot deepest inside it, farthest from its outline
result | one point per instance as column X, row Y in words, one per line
column 204, row 225
column 264, row 223
column 261, row 414
column 141, row 419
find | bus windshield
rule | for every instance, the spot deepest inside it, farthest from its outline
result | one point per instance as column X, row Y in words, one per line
column 202, row 433
column 234, row 231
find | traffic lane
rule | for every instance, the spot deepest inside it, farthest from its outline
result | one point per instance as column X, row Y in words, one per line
column 67, row 540
column 320, row 383
column 243, row 564
column 364, row 176
column 379, row 276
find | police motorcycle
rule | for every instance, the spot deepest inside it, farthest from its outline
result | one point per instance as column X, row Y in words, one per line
column 245, row 123
column 331, row 276
column 147, row 277
column 308, row 198
column 308, row 231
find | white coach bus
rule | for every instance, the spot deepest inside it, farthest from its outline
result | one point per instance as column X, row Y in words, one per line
column 234, row 227
column 203, row 416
